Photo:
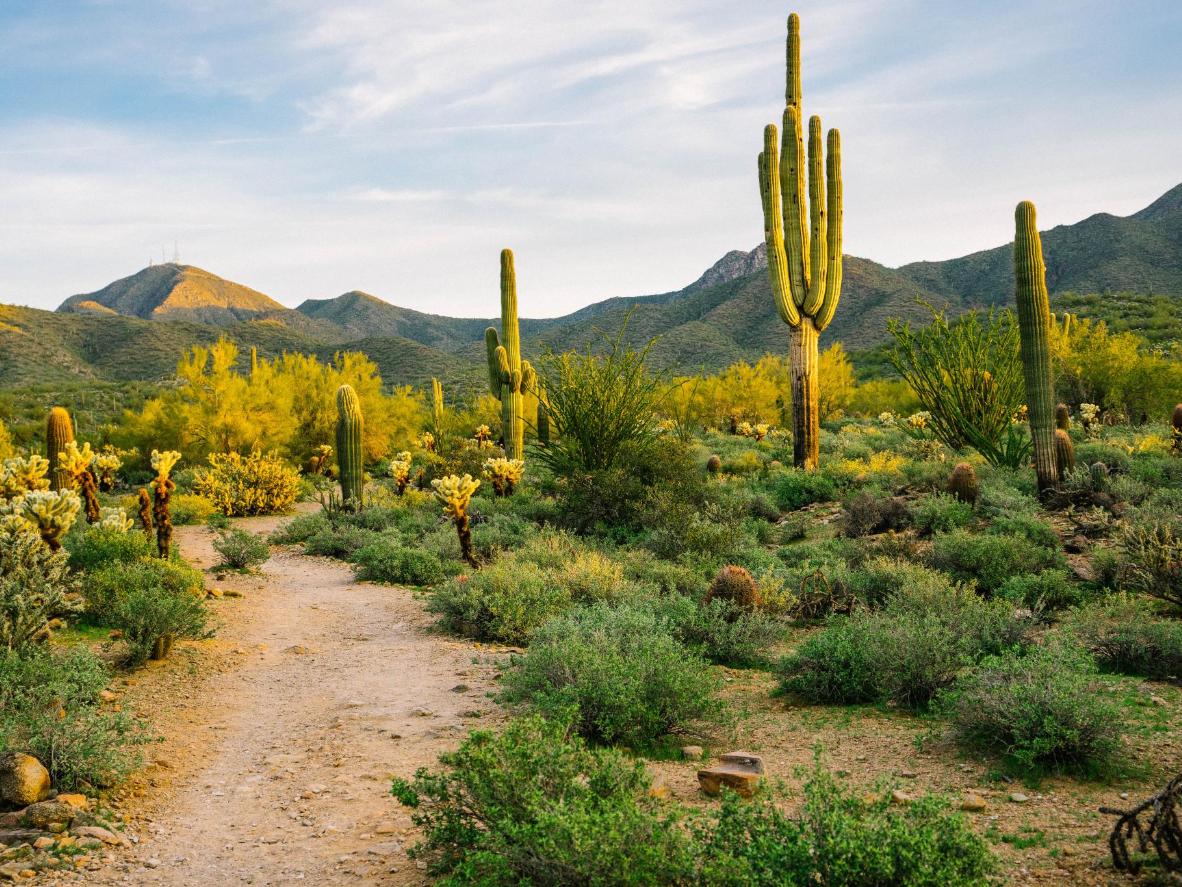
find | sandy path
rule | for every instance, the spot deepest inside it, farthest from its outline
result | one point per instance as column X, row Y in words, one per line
column 285, row 759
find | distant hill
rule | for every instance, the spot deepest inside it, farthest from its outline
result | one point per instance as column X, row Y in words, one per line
column 726, row 315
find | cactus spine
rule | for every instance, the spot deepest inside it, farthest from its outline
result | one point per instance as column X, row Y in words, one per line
column 805, row 271
column 350, row 425
column 508, row 375
column 59, row 432
column 1034, row 327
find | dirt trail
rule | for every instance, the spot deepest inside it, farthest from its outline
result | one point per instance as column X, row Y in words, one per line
column 284, row 759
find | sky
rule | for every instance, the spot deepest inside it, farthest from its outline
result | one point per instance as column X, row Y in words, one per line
column 308, row 148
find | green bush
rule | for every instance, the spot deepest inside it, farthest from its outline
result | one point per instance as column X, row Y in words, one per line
column 796, row 489
column 876, row 580
column 395, row 564
column 49, row 708
column 505, row 601
column 532, row 805
column 720, row 630
column 500, row 532
column 301, row 528
column 241, row 550
column 834, row 665
column 1124, row 635
column 96, row 546
column 340, row 541
column 147, row 601
column 1049, row 590
column 941, row 513
column 35, row 587
column 1149, row 552
column 868, row 512
column 617, row 671
column 1036, row 710
column 990, row 559
column 187, row 508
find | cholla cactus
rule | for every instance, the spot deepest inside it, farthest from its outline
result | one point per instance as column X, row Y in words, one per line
column 20, row 475
column 319, row 461
column 505, row 474
column 455, row 492
column 427, row 441
column 1089, row 418
column 918, row 421
column 74, row 463
column 162, row 487
column 482, row 434
column 1176, row 430
column 400, row 471
column 744, row 429
column 106, row 465
column 115, row 519
column 50, row 512
column 1021, row 416
column 759, row 432
column 887, row 419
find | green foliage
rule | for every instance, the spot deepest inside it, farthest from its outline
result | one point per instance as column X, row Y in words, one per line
column 867, row 513
column 35, row 587
column 721, row 630
column 386, row 560
column 340, row 541
column 1149, row 552
column 968, row 377
column 795, row 489
column 300, row 529
column 1040, row 592
column 188, row 508
column 49, row 708
column 1036, row 710
column 618, row 671
column 240, row 550
column 941, row 513
column 1125, row 635
column 990, row 558
column 505, row 601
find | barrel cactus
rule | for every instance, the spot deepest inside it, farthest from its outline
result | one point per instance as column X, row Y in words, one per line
column 59, row 431
column 963, row 485
column 736, row 586
column 1034, row 327
column 803, row 255
column 509, row 377
column 1063, row 417
column 350, row 465
column 714, row 463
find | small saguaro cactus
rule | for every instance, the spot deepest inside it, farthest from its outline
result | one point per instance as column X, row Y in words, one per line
column 504, row 474
column 803, row 255
column 59, row 431
column 1064, row 454
column 455, row 493
column 962, row 483
column 162, row 487
column 76, row 462
column 1034, row 328
column 734, row 584
column 1063, row 417
column 350, row 427
column 509, row 377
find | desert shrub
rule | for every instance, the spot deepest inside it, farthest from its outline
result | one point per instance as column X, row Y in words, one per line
column 147, row 601
column 1028, row 526
column 1049, row 590
column 240, row 550
column 842, row 838
column 644, row 568
column 505, row 601
column 940, row 513
column 393, row 563
column 591, row 576
column 709, row 532
column 1149, row 557
column 1037, row 710
column 35, row 587
column 95, row 546
column 721, row 630
column 1124, row 635
column 866, row 513
column 340, row 541
column 990, row 558
column 796, row 489
column 187, row 508
column 500, row 532
column 835, row 665
column 239, row 485
column 534, row 805
column 49, row 708
column 300, row 529
column 877, row 579
column 617, row 671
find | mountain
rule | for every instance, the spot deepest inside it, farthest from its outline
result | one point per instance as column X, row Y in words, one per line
column 727, row 314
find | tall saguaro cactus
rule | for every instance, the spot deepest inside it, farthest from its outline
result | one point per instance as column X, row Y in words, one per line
column 59, row 432
column 508, row 375
column 805, row 268
column 1034, row 328
column 350, row 425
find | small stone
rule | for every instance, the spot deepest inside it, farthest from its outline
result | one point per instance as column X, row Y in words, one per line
column 1158, row 701
column 1124, row 796
column 297, row 650
column 460, row 688
column 99, row 833
column 743, row 759
column 214, row 592
column 909, row 774
column 152, row 863
column 79, row 802
column 43, row 843
column 23, row 779
column 48, row 813
column 692, row 752
column 107, row 696
column 230, row 592
column 898, row 796
column 659, row 789
column 972, row 803
column 1019, row 798
column 738, row 771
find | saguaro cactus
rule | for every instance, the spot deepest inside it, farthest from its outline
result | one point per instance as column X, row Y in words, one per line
column 1034, row 327
column 350, row 425
column 805, row 271
column 59, row 432
column 508, row 375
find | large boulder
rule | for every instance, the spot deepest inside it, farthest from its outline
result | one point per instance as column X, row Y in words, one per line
column 23, row 779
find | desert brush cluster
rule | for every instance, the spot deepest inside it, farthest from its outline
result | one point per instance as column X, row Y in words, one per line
column 972, row 543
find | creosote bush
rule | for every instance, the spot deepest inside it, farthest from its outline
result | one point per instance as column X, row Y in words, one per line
column 990, row 559
column 240, row 485
column 1124, row 635
column 389, row 561
column 240, row 550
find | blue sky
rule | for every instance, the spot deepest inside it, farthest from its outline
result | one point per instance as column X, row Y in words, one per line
column 307, row 148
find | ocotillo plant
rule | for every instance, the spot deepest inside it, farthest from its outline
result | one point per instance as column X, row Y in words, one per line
column 805, row 271
column 59, row 431
column 350, row 426
column 508, row 375
column 1034, row 328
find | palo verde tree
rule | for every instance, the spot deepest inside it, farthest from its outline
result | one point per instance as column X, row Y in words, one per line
column 805, row 271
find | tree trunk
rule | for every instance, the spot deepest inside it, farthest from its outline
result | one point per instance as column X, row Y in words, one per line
column 806, row 419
